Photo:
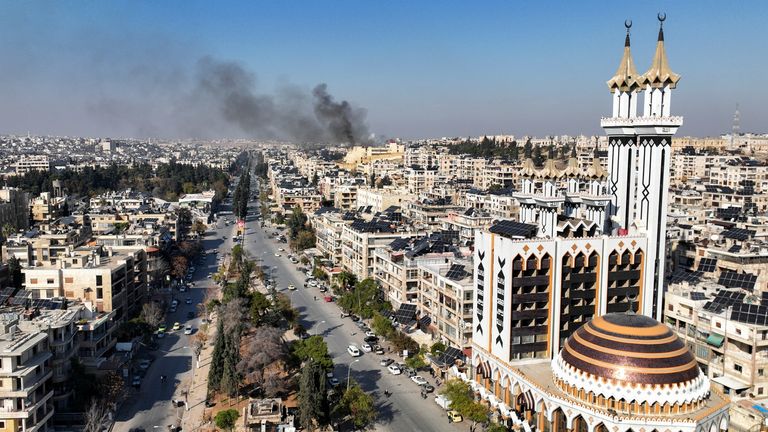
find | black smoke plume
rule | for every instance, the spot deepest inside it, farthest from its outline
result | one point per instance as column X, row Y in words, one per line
column 291, row 113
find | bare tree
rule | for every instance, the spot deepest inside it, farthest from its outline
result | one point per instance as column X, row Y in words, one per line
column 275, row 382
column 151, row 314
column 199, row 341
column 95, row 416
column 179, row 265
column 232, row 315
column 262, row 348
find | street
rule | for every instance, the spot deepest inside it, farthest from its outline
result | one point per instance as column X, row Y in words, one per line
column 151, row 408
column 404, row 410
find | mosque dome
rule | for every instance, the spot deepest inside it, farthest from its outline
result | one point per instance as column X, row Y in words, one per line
column 632, row 358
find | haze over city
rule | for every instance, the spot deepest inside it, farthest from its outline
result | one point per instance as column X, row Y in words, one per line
column 134, row 69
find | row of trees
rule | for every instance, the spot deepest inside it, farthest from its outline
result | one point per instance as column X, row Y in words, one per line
column 242, row 195
column 362, row 298
column 167, row 181
column 463, row 401
column 490, row 148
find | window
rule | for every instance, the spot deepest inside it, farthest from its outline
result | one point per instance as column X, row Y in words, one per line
column 670, row 308
column 2, row 424
column 49, row 281
column 99, row 293
column 69, row 280
column 737, row 367
column 99, row 280
column 759, row 390
column 760, row 372
column 33, row 281
column 718, row 325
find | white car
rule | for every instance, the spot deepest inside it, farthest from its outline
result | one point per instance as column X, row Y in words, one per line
column 174, row 303
column 188, row 330
column 353, row 351
column 312, row 282
column 292, row 287
column 394, row 369
column 281, row 250
column 366, row 348
column 418, row 380
column 277, row 254
column 370, row 334
column 188, row 300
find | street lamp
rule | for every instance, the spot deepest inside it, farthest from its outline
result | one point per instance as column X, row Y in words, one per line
column 349, row 370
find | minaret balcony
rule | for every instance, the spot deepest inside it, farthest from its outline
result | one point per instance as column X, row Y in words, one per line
column 550, row 202
column 596, row 200
column 641, row 125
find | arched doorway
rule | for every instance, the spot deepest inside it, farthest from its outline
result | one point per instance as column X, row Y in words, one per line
column 559, row 421
column 579, row 425
column 601, row 428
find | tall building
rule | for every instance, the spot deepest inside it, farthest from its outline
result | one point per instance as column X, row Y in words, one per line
column 565, row 331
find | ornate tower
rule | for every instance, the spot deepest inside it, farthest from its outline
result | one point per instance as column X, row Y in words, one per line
column 621, row 138
column 654, row 137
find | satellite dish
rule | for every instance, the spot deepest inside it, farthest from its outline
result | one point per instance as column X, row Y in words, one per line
column 714, row 237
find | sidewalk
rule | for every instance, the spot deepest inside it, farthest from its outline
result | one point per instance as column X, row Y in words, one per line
column 195, row 417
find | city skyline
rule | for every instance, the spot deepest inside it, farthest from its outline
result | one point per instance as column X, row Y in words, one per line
column 128, row 69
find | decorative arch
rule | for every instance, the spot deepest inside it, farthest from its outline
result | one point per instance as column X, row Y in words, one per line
column 579, row 424
column 724, row 422
column 601, row 428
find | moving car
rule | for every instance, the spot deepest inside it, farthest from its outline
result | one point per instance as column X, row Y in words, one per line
column 333, row 381
column 176, row 326
column 394, row 369
column 136, row 381
column 454, row 417
column 292, row 287
column 366, row 348
column 188, row 300
column 277, row 254
column 161, row 328
column 353, row 351
column 418, row 379
column 159, row 334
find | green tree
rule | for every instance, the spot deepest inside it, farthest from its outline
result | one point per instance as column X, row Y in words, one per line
column 259, row 306
column 217, row 358
column 312, row 395
column 437, row 348
column 358, row 405
column 313, row 349
column 495, row 427
column 346, row 279
column 226, row 419
column 304, row 240
column 14, row 272
column 382, row 326
column 463, row 401
column 416, row 361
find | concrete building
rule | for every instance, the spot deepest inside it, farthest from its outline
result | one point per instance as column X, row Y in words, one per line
column 26, row 377
column 47, row 208
column 446, row 300
column 380, row 199
column 30, row 163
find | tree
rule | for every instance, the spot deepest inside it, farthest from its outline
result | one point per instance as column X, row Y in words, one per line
column 358, row 405
column 14, row 271
column 263, row 347
column 416, row 361
column 495, row 427
column 462, row 400
column 226, row 419
column 313, row 349
column 179, row 265
column 217, row 359
column 311, row 395
column 304, row 240
column 151, row 314
column 95, row 416
column 199, row 341
column 437, row 348
column 259, row 306
column 346, row 279
column 382, row 326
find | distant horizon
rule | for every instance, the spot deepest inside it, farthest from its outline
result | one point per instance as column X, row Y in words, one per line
column 260, row 70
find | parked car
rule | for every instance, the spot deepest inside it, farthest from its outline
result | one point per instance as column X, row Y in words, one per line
column 333, row 381
column 328, row 299
column 188, row 329
column 378, row 350
column 386, row 362
column 159, row 334
column 366, row 348
column 410, row 372
column 371, row 339
column 188, row 300
column 277, row 254
column 144, row 364
column 136, row 382
column 292, row 287
column 429, row 388
column 353, row 351
column 354, row 318
column 454, row 417
column 370, row 334
column 161, row 328
column 345, row 314
column 176, row 326
column 174, row 303
column 394, row 369
column 418, row 379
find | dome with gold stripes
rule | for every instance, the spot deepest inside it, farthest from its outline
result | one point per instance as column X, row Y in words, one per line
column 632, row 358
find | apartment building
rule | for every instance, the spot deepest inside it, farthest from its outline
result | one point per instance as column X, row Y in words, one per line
column 361, row 238
column 499, row 204
column 427, row 214
column 445, row 300
column 113, row 280
column 466, row 222
column 26, row 377
column 420, row 179
column 688, row 165
column 345, row 196
column 47, row 207
column 379, row 199
column 95, row 335
column 14, row 208
column 29, row 163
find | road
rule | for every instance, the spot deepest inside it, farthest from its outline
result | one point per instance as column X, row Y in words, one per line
column 405, row 410
column 151, row 408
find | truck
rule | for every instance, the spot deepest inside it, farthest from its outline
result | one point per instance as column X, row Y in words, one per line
column 443, row 402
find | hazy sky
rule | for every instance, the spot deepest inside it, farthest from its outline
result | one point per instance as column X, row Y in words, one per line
column 420, row 69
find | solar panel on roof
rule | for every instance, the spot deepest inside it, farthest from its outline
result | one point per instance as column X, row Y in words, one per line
column 707, row 264
column 764, row 298
column 750, row 314
column 696, row 295
column 735, row 248
column 685, row 276
column 406, row 314
column 732, row 279
column 456, row 272
column 724, row 299
column 738, row 234
column 514, row 229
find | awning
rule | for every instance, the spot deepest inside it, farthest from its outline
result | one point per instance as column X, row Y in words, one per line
column 715, row 340
column 731, row 383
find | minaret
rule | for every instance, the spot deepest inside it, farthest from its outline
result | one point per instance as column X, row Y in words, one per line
column 621, row 138
column 654, row 131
